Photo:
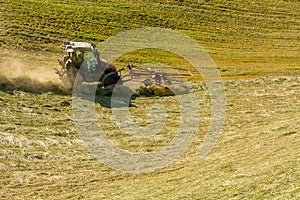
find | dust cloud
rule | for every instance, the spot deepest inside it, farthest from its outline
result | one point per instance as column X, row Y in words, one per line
column 16, row 75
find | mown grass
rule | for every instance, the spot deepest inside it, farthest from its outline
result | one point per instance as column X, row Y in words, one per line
column 257, row 156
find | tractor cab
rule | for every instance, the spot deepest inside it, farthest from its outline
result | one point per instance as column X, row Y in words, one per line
column 83, row 59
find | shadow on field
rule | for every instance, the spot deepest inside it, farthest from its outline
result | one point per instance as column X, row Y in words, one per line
column 113, row 96
column 27, row 84
column 114, row 102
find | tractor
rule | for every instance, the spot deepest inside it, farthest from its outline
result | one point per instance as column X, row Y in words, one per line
column 83, row 59
column 82, row 62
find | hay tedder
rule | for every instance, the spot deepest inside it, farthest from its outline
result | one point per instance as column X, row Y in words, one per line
column 83, row 59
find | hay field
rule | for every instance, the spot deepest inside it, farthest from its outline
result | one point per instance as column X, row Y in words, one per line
column 255, row 45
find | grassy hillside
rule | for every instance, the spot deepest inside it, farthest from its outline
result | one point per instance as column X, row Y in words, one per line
column 255, row 44
column 258, row 37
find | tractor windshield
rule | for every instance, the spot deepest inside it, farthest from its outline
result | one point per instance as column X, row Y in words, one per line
column 89, row 65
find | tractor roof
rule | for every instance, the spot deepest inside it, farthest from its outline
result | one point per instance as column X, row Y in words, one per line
column 71, row 46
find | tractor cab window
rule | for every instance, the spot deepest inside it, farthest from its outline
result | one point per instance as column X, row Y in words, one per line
column 78, row 58
column 90, row 58
column 89, row 65
column 90, row 61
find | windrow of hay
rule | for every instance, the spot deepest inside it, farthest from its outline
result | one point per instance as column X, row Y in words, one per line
column 161, row 90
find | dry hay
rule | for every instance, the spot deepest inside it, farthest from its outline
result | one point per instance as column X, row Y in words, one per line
column 161, row 90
